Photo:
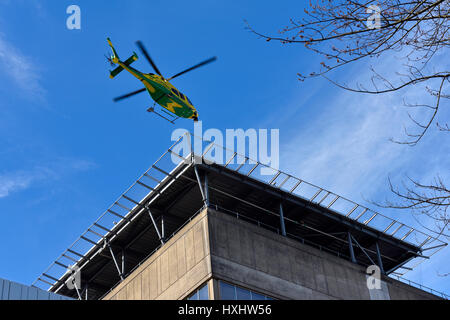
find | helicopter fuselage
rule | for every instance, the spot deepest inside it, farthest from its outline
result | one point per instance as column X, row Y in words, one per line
column 164, row 93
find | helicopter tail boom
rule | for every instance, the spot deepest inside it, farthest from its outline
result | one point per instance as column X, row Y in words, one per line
column 115, row 60
column 115, row 56
column 127, row 62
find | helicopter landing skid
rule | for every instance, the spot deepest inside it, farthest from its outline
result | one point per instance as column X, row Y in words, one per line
column 172, row 119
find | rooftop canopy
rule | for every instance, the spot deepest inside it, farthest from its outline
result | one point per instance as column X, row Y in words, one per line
column 180, row 184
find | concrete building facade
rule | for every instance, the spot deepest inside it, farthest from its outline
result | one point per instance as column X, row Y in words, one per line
column 216, row 247
column 202, row 230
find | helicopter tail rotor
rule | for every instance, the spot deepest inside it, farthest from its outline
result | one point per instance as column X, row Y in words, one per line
column 109, row 59
column 115, row 57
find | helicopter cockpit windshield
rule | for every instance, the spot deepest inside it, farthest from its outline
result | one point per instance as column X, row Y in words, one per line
column 182, row 96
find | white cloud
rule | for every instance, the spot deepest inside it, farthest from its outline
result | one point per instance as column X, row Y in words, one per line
column 346, row 149
column 20, row 69
column 14, row 182
column 23, row 179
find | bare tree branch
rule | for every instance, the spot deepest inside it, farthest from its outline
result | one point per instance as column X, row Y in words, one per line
column 431, row 200
column 339, row 31
column 417, row 33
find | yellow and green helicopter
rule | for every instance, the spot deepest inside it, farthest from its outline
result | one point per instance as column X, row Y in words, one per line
column 159, row 88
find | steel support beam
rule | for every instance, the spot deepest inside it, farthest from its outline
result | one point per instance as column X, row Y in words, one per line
column 154, row 224
column 115, row 261
column 400, row 265
column 206, row 190
column 123, row 261
column 434, row 247
column 84, row 292
column 406, row 268
column 350, row 248
column 419, row 255
column 78, row 291
column 199, row 184
column 363, row 250
column 163, row 229
column 283, row 227
column 45, row 281
column 380, row 261
column 138, row 236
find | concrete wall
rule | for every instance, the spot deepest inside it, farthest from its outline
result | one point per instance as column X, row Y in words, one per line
column 175, row 270
column 264, row 261
column 401, row 291
column 215, row 246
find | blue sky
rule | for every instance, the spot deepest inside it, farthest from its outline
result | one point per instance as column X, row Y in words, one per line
column 67, row 151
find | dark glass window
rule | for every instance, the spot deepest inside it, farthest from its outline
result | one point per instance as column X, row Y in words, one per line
column 257, row 296
column 175, row 92
column 243, row 294
column 194, row 296
column 232, row 292
column 200, row 294
column 182, row 96
column 203, row 293
column 227, row 291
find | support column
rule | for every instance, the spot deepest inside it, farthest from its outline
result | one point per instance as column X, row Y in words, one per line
column 154, row 224
column 380, row 261
column 78, row 290
column 213, row 287
column 350, row 248
column 283, row 227
column 123, row 261
column 115, row 261
column 86, row 291
column 362, row 249
column 200, row 184
column 163, row 230
column 206, row 190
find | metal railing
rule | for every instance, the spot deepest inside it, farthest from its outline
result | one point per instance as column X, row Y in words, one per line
column 421, row 287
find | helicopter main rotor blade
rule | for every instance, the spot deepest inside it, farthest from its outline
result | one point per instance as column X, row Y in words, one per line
column 144, row 51
column 129, row 94
column 194, row 67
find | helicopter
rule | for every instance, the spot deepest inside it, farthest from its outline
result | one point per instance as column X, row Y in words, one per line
column 174, row 103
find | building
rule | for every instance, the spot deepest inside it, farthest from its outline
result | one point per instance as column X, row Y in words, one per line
column 202, row 230
column 10, row 290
